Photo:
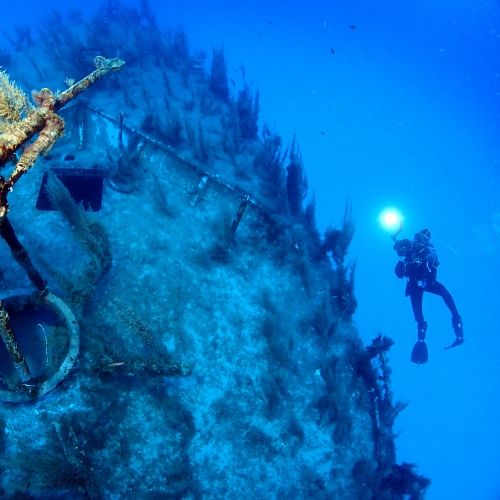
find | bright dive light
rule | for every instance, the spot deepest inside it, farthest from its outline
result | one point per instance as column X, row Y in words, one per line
column 390, row 219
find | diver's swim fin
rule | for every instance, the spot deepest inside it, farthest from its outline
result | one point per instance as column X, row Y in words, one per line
column 419, row 353
column 458, row 341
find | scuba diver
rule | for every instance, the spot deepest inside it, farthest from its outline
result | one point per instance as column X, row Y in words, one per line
column 418, row 262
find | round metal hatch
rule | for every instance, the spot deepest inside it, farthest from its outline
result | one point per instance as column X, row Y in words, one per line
column 47, row 334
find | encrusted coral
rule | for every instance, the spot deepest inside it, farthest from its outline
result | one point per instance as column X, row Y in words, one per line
column 13, row 101
column 42, row 120
column 16, row 129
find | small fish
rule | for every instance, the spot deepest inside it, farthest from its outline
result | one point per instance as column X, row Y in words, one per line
column 117, row 363
column 332, row 51
column 353, row 27
column 322, row 132
column 232, row 82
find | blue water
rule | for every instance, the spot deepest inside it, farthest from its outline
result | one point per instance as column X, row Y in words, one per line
column 392, row 103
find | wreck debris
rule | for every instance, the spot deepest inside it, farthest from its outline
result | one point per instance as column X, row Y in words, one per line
column 237, row 219
column 9, row 340
column 44, row 121
column 15, row 132
column 375, row 370
column 198, row 191
column 76, row 456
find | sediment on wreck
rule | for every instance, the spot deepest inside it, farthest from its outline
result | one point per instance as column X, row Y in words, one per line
column 218, row 351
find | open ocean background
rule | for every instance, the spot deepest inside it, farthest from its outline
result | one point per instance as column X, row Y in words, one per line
column 393, row 104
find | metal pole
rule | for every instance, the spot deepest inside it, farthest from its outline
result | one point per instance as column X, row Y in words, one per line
column 237, row 219
column 9, row 339
column 20, row 255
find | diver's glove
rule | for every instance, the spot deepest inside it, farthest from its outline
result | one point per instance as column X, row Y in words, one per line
column 400, row 269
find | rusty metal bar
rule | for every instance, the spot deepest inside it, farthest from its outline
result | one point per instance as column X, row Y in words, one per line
column 9, row 339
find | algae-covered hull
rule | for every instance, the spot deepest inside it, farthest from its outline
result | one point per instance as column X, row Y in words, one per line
column 218, row 357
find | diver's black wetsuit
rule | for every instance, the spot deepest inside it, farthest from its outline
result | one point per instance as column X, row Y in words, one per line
column 416, row 292
column 419, row 265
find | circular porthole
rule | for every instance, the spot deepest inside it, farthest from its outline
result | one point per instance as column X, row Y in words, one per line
column 47, row 336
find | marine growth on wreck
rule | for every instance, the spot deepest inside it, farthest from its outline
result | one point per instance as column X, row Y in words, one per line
column 217, row 355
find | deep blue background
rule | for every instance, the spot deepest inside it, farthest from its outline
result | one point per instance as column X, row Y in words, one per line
column 405, row 113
